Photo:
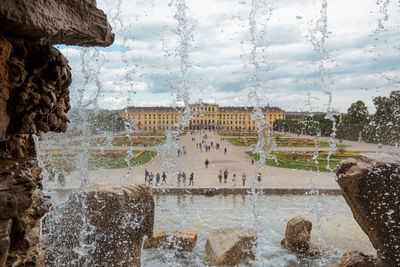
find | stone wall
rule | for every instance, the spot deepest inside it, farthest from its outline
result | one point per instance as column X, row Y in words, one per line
column 34, row 98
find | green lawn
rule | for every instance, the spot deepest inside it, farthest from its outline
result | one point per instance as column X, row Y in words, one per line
column 280, row 142
column 110, row 159
column 304, row 160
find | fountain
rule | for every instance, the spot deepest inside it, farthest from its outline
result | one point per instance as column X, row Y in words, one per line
column 100, row 213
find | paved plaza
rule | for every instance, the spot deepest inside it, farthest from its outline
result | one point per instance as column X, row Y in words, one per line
column 236, row 161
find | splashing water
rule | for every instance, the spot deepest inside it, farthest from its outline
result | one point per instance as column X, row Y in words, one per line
column 181, row 89
column 265, row 142
column 259, row 16
column 318, row 36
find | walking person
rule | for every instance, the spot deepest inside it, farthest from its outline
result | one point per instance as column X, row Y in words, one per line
column 244, row 178
column 178, row 178
column 252, row 161
column 151, row 176
column 225, row 176
column 259, row 177
column 234, row 180
column 164, row 178
column 184, row 178
column 157, row 179
column 61, row 179
column 206, row 163
column 146, row 175
column 52, row 175
column 220, row 176
column 225, row 150
column 191, row 179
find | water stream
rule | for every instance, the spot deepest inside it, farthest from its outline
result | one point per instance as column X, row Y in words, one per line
column 203, row 213
column 334, row 225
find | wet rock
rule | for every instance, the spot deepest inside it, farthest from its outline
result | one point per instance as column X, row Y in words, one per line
column 26, row 226
column 179, row 240
column 297, row 235
column 33, row 257
column 297, row 238
column 371, row 187
column 18, row 181
column 230, row 246
column 72, row 22
column 22, row 204
column 106, row 225
column 357, row 259
column 5, row 229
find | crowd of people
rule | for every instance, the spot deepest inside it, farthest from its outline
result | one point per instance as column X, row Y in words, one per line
column 60, row 177
column 233, row 182
column 205, row 144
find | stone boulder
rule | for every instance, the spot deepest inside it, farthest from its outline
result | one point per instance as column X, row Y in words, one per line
column 71, row 22
column 357, row 259
column 230, row 246
column 104, row 227
column 297, row 238
column 179, row 240
column 297, row 235
column 371, row 187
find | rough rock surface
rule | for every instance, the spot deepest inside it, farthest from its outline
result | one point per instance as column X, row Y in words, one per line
column 34, row 97
column 371, row 187
column 72, row 22
column 230, row 246
column 5, row 230
column 34, row 90
column 297, row 238
column 357, row 259
column 179, row 240
column 111, row 232
column 22, row 203
column 297, row 235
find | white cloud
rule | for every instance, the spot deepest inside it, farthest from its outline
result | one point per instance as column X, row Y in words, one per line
column 364, row 61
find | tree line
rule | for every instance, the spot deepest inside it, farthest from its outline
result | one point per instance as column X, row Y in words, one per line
column 356, row 125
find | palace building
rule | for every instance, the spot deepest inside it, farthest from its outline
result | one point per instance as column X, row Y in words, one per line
column 204, row 116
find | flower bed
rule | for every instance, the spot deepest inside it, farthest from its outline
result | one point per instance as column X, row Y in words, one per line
column 109, row 159
column 305, row 160
column 280, row 142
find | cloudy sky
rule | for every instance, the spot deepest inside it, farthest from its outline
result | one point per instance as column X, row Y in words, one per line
column 143, row 66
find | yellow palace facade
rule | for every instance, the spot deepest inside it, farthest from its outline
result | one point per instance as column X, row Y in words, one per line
column 204, row 116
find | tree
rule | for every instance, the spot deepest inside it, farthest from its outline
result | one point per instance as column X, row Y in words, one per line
column 358, row 112
column 383, row 112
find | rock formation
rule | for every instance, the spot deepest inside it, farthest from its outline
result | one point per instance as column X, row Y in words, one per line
column 71, row 22
column 34, row 98
column 357, row 259
column 371, row 187
column 230, row 246
column 111, row 232
column 179, row 240
column 297, row 238
column 297, row 235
